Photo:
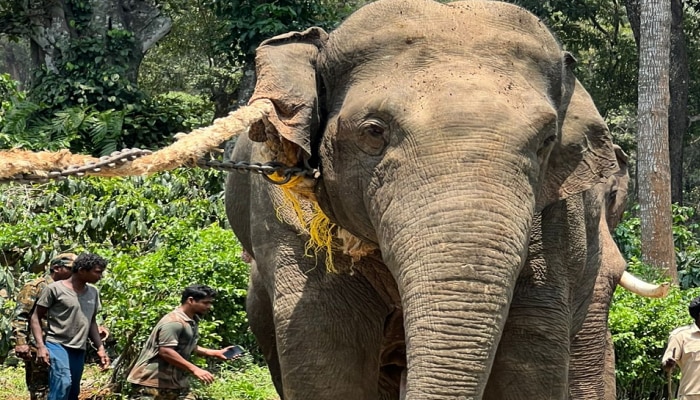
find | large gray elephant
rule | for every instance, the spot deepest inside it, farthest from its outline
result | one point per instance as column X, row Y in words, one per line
column 592, row 364
column 458, row 157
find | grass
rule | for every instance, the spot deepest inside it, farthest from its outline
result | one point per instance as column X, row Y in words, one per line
column 249, row 382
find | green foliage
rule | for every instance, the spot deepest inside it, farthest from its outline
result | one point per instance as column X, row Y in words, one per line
column 249, row 382
column 162, row 116
column 148, row 123
column 685, row 237
column 188, row 58
column 241, row 380
column 7, row 307
column 250, row 22
column 597, row 33
column 12, row 381
column 640, row 328
column 92, row 70
column 160, row 234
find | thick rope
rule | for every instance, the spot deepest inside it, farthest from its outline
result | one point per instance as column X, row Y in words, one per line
column 185, row 151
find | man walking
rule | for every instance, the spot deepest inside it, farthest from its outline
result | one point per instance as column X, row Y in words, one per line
column 36, row 374
column 160, row 373
column 682, row 350
column 70, row 307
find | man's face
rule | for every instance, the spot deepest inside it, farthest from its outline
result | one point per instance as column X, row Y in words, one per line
column 61, row 272
column 201, row 307
column 93, row 275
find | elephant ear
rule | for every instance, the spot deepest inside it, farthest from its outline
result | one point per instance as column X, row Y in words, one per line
column 584, row 156
column 285, row 66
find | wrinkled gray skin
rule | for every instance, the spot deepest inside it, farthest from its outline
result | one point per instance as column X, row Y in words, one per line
column 454, row 139
column 592, row 366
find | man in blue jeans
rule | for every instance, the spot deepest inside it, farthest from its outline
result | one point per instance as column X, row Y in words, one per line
column 70, row 307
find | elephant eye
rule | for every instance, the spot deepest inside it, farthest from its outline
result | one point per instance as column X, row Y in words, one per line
column 372, row 129
column 549, row 140
column 373, row 137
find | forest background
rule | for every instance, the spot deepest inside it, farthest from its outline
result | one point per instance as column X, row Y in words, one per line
column 104, row 81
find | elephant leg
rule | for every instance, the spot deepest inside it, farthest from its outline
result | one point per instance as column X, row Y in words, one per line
column 260, row 318
column 329, row 329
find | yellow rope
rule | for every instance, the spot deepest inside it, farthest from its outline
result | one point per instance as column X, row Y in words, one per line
column 319, row 226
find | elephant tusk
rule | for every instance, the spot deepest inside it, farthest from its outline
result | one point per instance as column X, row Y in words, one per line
column 642, row 288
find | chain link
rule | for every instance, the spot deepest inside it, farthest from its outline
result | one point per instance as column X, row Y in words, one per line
column 113, row 160
column 266, row 170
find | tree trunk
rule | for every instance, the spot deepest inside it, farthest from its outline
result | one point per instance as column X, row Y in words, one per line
column 653, row 148
column 678, row 114
column 53, row 28
column 679, row 78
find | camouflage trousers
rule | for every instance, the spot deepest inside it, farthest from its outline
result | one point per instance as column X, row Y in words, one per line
column 139, row 392
column 37, row 378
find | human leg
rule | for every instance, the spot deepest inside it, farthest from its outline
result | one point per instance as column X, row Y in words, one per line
column 139, row 392
column 37, row 378
column 59, row 372
column 76, row 359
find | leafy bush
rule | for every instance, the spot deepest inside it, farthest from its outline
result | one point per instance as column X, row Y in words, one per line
column 640, row 326
column 159, row 233
column 685, row 234
column 247, row 382
column 80, row 125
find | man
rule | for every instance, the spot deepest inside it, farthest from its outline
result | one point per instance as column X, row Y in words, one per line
column 70, row 307
column 160, row 373
column 36, row 374
column 682, row 350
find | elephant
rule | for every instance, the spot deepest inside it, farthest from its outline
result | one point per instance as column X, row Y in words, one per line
column 592, row 364
column 449, row 245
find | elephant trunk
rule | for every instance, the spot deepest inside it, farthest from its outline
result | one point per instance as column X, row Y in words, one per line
column 642, row 288
column 455, row 268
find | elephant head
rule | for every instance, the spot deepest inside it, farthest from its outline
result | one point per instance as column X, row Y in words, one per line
column 442, row 133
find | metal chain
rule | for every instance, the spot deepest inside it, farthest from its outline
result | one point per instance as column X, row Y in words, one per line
column 104, row 162
column 266, row 170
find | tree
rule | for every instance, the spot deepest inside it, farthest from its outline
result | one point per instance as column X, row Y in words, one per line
column 653, row 156
column 56, row 29
column 249, row 22
column 678, row 89
column 189, row 59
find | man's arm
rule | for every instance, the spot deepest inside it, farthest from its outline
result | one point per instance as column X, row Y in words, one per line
column 96, row 339
column 673, row 353
column 42, row 354
column 20, row 324
column 204, row 352
column 174, row 358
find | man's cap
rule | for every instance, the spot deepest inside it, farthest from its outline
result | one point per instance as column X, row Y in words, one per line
column 62, row 260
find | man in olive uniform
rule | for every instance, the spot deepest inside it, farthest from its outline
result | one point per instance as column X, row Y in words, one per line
column 162, row 369
column 37, row 374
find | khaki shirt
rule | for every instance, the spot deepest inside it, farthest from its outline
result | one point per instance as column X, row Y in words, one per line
column 685, row 341
column 175, row 330
column 26, row 299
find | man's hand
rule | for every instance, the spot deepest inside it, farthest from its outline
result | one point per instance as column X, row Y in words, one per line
column 104, row 332
column 42, row 355
column 23, row 351
column 669, row 364
column 203, row 375
column 104, row 359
